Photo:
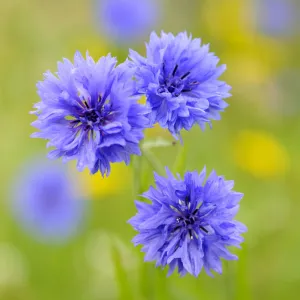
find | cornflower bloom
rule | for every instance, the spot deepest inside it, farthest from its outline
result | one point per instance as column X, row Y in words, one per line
column 277, row 18
column 88, row 113
column 127, row 20
column 189, row 223
column 180, row 80
column 46, row 202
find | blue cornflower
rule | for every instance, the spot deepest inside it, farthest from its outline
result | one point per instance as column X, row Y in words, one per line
column 189, row 223
column 88, row 113
column 179, row 78
column 127, row 20
column 276, row 17
column 46, row 202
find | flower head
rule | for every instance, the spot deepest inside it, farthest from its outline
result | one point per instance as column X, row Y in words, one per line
column 87, row 113
column 189, row 223
column 46, row 202
column 179, row 78
column 127, row 20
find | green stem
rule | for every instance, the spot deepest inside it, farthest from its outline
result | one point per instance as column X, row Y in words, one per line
column 160, row 285
column 137, row 182
column 146, row 280
column 153, row 161
column 180, row 161
column 243, row 290
column 229, row 280
column 125, row 292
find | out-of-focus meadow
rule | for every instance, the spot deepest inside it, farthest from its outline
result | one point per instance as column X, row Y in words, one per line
column 256, row 143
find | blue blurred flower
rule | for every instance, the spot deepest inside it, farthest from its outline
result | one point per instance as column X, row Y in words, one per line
column 88, row 113
column 276, row 17
column 46, row 202
column 179, row 78
column 127, row 20
column 189, row 224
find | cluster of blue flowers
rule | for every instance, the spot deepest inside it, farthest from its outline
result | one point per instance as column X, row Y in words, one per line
column 89, row 112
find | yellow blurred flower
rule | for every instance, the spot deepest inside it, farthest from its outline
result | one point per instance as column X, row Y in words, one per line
column 228, row 20
column 243, row 49
column 260, row 154
column 95, row 186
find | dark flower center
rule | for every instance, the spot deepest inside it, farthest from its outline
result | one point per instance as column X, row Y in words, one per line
column 91, row 115
column 188, row 219
column 174, row 83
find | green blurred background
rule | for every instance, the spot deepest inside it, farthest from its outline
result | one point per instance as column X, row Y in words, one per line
column 255, row 143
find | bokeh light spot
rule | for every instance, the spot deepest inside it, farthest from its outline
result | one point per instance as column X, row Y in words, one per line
column 260, row 154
